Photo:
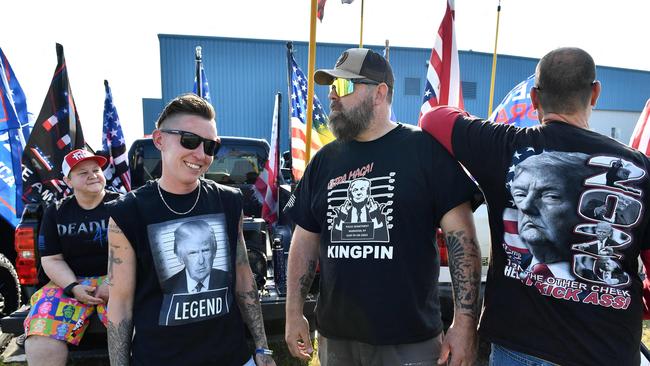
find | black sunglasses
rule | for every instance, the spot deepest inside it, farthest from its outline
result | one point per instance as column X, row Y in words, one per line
column 191, row 141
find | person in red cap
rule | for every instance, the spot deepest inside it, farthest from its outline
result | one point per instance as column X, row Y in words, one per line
column 73, row 246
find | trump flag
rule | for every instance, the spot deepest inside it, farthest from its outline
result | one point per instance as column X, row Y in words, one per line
column 14, row 130
column 517, row 108
column 57, row 131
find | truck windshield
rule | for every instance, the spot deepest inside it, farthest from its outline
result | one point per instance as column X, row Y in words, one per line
column 235, row 165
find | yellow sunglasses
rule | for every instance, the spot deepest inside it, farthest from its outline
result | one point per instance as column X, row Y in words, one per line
column 343, row 87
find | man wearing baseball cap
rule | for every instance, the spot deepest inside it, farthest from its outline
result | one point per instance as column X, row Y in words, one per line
column 366, row 210
column 73, row 246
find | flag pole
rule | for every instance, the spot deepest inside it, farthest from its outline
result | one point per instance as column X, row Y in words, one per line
column 199, row 84
column 361, row 31
column 494, row 62
column 289, row 92
column 310, row 79
column 387, row 51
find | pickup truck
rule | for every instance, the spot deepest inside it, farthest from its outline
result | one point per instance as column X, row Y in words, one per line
column 237, row 164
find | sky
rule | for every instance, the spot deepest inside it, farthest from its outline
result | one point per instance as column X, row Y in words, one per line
column 118, row 40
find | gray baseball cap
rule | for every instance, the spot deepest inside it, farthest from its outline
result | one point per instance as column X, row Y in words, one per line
column 357, row 63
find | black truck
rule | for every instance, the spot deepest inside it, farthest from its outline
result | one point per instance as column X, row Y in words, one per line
column 238, row 163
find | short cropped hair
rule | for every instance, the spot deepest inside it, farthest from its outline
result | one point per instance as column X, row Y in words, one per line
column 193, row 229
column 190, row 104
column 563, row 79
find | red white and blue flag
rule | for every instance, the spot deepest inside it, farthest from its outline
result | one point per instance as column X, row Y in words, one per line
column 517, row 108
column 320, row 136
column 57, row 131
column 443, row 85
column 640, row 139
column 118, row 177
column 266, row 185
column 14, row 132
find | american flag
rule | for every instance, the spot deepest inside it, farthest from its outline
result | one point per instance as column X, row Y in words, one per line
column 205, row 88
column 443, row 75
column 266, row 185
column 640, row 139
column 118, row 177
column 511, row 236
column 320, row 136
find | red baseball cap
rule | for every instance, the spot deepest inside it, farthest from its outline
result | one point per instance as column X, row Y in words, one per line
column 75, row 157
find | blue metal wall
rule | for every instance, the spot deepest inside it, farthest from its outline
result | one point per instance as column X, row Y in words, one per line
column 244, row 75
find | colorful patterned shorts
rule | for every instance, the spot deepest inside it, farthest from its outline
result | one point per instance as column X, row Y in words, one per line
column 55, row 315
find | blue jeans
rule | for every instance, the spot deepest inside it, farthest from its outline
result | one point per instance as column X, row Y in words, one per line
column 501, row 356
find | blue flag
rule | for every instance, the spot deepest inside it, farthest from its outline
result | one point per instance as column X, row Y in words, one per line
column 205, row 89
column 517, row 108
column 14, row 132
column 118, row 177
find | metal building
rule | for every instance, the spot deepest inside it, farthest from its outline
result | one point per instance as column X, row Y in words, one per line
column 245, row 74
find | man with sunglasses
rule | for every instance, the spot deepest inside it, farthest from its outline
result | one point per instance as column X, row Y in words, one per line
column 531, row 314
column 201, row 322
column 366, row 210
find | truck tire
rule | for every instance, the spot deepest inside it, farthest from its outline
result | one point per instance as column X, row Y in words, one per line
column 9, row 287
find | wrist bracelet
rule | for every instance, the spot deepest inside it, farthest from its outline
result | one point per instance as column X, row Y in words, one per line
column 263, row 351
column 68, row 289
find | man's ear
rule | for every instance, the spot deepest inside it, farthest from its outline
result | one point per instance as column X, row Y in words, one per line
column 156, row 136
column 534, row 98
column 67, row 181
column 380, row 93
column 595, row 93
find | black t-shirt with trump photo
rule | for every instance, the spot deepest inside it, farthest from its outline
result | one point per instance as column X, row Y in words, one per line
column 567, row 210
column 184, row 308
column 376, row 206
column 78, row 234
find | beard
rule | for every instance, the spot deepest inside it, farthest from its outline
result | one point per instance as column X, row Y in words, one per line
column 347, row 125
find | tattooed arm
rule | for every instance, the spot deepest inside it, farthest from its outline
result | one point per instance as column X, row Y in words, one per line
column 248, row 299
column 465, row 269
column 121, row 282
column 303, row 257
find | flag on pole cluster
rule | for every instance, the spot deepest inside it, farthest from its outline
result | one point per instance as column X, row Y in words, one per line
column 443, row 75
column 118, row 177
column 517, row 108
column 266, row 186
column 57, row 131
column 14, row 131
column 640, row 139
column 321, row 134
column 201, row 87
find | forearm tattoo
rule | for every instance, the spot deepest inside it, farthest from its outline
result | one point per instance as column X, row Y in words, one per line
column 112, row 261
column 113, row 228
column 306, row 279
column 249, row 304
column 464, row 266
column 242, row 254
column 119, row 342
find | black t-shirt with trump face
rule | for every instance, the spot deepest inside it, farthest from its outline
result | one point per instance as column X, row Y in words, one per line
column 78, row 234
column 184, row 309
column 567, row 209
column 377, row 205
